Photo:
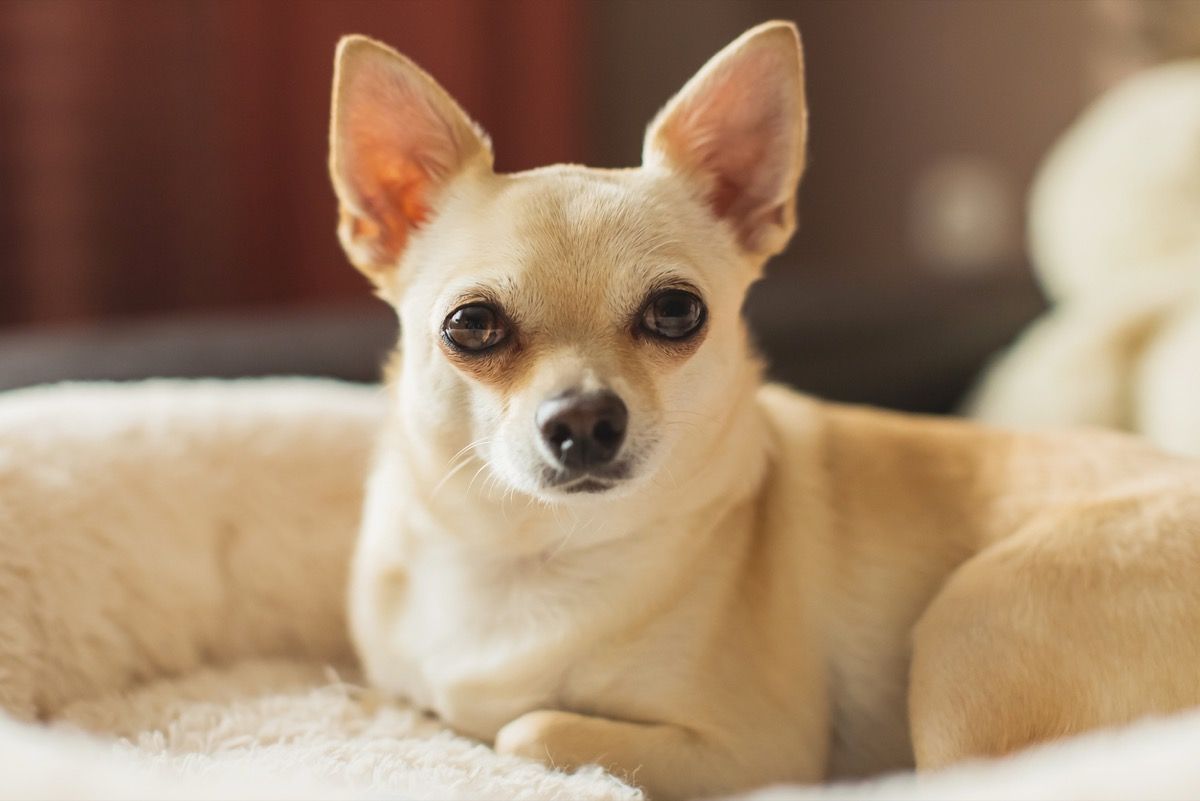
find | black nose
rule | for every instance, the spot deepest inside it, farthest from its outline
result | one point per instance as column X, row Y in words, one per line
column 583, row 429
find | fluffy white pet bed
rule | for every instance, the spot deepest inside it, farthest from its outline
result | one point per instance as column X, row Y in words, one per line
column 172, row 559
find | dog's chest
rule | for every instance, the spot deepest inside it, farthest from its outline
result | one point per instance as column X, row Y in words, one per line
column 478, row 649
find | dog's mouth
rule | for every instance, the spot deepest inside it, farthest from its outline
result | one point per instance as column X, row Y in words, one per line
column 593, row 481
column 586, row 484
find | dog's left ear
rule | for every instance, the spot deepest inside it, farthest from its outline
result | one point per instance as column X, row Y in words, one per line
column 738, row 129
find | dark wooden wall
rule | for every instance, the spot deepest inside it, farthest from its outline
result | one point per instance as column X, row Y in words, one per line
column 167, row 155
column 162, row 155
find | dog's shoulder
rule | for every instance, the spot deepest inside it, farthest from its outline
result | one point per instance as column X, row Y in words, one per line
column 798, row 421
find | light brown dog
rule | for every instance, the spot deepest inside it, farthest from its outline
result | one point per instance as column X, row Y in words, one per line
column 593, row 536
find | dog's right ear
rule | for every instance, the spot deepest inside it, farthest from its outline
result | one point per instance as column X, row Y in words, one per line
column 396, row 138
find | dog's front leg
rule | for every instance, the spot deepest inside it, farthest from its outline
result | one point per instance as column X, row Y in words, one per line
column 667, row 761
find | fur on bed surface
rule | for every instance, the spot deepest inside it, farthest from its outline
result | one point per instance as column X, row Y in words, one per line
column 288, row 730
column 172, row 562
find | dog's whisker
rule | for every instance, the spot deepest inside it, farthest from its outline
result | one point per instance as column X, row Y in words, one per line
column 449, row 475
column 563, row 542
column 504, row 499
column 482, row 467
column 467, row 454
column 468, row 447
column 489, row 485
column 671, row 475
column 679, row 424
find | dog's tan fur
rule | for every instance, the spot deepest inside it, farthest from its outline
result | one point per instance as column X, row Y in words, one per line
column 782, row 589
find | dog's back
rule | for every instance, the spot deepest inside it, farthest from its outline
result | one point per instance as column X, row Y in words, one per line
column 964, row 536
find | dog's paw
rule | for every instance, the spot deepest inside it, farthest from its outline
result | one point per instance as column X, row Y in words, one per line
column 536, row 735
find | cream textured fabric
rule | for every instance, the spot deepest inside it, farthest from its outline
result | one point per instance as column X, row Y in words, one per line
column 172, row 559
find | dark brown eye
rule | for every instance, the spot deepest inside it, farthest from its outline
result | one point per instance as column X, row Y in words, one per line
column 474, row 328
column 673, row 314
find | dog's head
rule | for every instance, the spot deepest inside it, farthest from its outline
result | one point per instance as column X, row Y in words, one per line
column 575, row 329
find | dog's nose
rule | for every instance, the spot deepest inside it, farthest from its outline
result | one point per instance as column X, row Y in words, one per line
column 583, row 429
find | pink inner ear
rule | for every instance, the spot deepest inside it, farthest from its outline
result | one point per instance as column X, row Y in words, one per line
column 735, row 128
column 395, row 146
column 394, row 204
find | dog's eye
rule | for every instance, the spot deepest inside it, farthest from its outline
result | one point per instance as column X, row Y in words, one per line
column 474, row 328
column 673, row 314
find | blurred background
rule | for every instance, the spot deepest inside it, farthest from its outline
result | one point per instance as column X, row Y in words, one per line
column 165, row 207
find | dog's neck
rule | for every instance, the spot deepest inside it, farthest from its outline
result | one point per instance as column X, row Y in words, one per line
column 466, row 510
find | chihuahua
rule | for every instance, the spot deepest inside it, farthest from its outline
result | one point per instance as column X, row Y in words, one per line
column 594, row 535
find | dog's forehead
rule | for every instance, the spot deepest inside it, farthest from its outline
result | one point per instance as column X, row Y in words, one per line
column 583, row 218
